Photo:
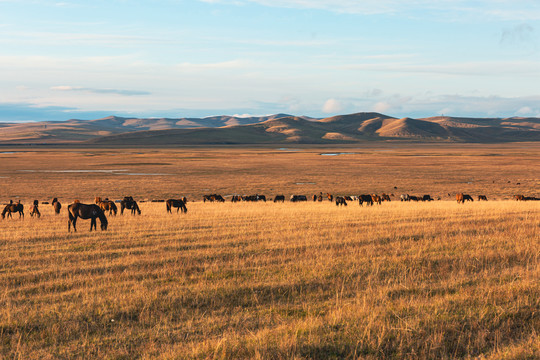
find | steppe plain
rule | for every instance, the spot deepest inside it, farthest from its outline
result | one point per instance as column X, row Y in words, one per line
column 274, row 281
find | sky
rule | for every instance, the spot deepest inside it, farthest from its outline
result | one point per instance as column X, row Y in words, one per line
column 177, row 58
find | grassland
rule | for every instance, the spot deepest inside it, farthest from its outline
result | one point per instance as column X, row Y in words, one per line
column 274, row 281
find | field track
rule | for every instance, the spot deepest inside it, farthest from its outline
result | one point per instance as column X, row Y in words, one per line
column 279, row 281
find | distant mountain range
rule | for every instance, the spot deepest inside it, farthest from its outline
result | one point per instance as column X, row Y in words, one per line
column 273, row 129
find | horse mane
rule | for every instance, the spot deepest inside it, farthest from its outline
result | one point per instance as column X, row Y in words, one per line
column 102, row 217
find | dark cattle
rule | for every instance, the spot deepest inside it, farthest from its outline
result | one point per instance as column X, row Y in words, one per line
column 482, row 198
column 340, row 200
column 84, row 211
column 177, row 203
column 13, row 208
column 427, row 198
column 365, row 199
column 279, row 198
column 129, row 203
column 56, row 206
column 296, row 198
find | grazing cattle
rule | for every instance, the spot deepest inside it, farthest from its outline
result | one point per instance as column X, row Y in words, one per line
column 376, row 199
column 34, row 210
column 84, row 211
column 427, row 198
column 482, row 198
column 213, row 198
column 405, row 197
column 107, row 205
column 330, row 197
column 296, row 198
column 279, row 198
column 385, row 197
column 177, row 203
column 461, row 198
column 365, row 199
column 13, row 208
column 56, row 206
column 340, row 200
column 129, row 203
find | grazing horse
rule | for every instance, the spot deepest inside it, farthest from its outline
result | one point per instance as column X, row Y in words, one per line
column 236, row 198
column 427, row 198
column 314, row 198
column 330, row 197
column 177, row 203
column 340, row 200
column 519, row 197
column 279, row 198
column 129, row 203
column 376, row 199
column 296, row 198
column 385, row 197
column 56, row 206
column 482, row 197
column 405, row 197
column 34, row 209
column 415, row 198
column 365, row 199
column 213, row 197
column 461, row 198
column 13, row 208
column 107, row 205
column 84, row 211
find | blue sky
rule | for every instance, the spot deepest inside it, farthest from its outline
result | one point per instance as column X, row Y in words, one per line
column 175, row 58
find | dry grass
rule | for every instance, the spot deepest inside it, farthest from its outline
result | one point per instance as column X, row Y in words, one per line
column 276, row 281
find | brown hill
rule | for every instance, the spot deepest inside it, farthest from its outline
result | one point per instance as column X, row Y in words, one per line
column 276, row 129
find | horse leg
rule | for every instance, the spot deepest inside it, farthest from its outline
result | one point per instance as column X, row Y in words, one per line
column 93, row 223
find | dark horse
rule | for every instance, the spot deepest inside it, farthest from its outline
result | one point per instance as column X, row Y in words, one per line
column 56, row 205
column 13, row 208
column 129, row 203
column 177, row 203
column 84, row 211
column 340, row 200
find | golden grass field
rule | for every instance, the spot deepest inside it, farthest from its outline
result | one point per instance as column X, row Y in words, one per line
column 274, row 281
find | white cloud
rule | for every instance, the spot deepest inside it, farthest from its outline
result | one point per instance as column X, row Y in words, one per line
column 332, row 106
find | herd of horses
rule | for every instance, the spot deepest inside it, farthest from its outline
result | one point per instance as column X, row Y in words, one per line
column 97, row 211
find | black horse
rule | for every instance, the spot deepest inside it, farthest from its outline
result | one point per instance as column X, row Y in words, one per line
column 365, row 199
column 129, row 203
column 279, row 198
column 13, row 208
column 179, row 204
column 84, row 211
column 56, row 205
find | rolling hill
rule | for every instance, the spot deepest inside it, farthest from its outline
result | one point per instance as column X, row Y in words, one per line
column 272, row 129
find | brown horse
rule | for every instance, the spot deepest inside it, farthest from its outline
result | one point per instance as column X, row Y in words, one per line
column 385, row 197
column 107, row 205
column 34, row 209
column 84, row 211
column 13, row 208
column 340, row 200
column 56, row 206
column 177, row 203
column 376, row 199
column 461, row 198
column 482, row 197
column 330, row 197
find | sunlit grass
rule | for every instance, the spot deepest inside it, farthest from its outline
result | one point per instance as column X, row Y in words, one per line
column 401, row 280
